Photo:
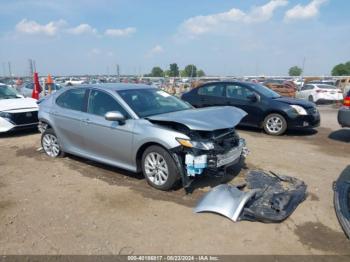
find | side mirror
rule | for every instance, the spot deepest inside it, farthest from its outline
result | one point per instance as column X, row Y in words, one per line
column 114, row 116
column 253, row 97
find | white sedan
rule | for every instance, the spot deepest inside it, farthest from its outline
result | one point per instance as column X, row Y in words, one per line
column 320, row 93
column 16, row 112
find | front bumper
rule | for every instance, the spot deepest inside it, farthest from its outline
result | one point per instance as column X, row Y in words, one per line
column 344, row 117
column 6, row 125
column 311, row 120
column 198, row 164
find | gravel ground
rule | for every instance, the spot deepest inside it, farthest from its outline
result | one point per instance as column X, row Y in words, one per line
column 74, row 206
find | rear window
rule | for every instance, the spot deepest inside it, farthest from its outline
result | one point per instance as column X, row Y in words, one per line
column 326, row 86
column 72, row 99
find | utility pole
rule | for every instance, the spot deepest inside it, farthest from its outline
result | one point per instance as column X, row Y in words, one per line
column 31, row 69
column 4, row 69
column 118, row 72
column 303, row 67
column 10, row 70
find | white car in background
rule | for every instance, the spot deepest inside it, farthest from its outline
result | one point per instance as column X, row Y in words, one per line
column 16, row 111
column 319, row 93
column 74, row 81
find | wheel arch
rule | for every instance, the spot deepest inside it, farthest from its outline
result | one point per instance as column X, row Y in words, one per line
column 142, row 149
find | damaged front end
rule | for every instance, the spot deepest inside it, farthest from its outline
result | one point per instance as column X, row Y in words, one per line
column 211, row 143
column 208, row 152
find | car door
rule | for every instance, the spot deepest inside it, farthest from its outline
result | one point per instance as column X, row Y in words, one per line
column 210, row 95
column 241, row 96
column 108, row 141
column 67, row 113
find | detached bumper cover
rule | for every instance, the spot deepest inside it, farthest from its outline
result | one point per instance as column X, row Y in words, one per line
column 344, row 117
column 271, row 198
column 226, row 200
column 342, row 200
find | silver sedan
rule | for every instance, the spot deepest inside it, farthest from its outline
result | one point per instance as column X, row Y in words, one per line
column 140, row 128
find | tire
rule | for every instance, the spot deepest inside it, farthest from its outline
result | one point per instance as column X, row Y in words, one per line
column 275, row 124
column 311, row 99
column 159, row 168
column 50, row 144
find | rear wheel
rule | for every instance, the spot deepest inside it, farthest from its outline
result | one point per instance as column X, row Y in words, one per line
column 50, row 144
column 275, row 124
column 159, row 168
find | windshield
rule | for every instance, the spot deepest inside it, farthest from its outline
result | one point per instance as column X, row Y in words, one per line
column 7, row 92
column 265, row 91
column 147, row 102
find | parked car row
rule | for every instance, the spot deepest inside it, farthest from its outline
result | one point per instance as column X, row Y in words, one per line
column 142, row 128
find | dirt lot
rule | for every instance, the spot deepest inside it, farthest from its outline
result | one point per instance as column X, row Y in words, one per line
column 74, row 206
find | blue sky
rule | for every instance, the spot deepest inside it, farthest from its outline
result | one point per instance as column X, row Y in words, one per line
column 223, row 37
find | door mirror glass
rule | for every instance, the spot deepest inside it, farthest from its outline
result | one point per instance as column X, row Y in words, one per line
column 114, row 116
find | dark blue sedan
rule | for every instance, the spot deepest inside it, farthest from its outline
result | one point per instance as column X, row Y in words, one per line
column 266, row 109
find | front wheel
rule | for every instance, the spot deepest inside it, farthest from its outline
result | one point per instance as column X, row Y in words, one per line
column 50, row 144
column 159, row 168
column 275, row 124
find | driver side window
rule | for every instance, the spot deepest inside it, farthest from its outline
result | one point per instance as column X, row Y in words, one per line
column 100, row 103
column 238, row 92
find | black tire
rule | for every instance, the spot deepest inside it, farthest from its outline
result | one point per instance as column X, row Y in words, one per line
column 280, row 129
column 50, row 133
column 173, row 173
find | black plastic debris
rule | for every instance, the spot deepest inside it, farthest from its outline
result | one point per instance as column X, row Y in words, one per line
column 342, row 200
column 277, row 198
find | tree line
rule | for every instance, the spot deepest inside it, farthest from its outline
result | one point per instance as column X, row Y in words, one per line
column 174, row 71
column 342, row 69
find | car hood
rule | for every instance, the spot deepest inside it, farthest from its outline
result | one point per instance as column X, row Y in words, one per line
column 295, row 101
column 17, row 104
column 204, row 119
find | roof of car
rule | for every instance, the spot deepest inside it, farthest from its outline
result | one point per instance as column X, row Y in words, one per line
column 115, row 86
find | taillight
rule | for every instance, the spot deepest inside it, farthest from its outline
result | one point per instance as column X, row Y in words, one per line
column 346, row 101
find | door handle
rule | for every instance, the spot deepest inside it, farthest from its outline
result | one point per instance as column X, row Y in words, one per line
column 86, row 120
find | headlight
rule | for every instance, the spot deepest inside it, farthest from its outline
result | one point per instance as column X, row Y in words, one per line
column 300, row 110
column 5, row 115
column 195, row 144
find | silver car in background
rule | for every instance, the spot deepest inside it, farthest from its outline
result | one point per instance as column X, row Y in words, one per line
column 141, row 128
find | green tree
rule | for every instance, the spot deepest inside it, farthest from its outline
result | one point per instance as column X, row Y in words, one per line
column 200, row 73
column 295, row 71
column 341, row 69
column 190, row 71
column 157, row 72
column 174, row 70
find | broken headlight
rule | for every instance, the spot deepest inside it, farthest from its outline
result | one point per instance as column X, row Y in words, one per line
column 195, row 144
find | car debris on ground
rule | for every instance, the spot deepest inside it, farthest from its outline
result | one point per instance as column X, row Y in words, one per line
column 271, row 198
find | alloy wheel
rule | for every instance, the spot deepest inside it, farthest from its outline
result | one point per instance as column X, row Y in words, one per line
column 156, row 168
column 274, row 124
column 50, row 145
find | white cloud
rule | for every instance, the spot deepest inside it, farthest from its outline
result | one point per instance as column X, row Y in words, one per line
column 82, row 29
column 120, row 32
column 158, row 49
column 203, row 24
column 304, row 11
column 32, row 27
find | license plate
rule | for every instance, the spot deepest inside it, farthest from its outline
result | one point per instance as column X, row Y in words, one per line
column 229, row 157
